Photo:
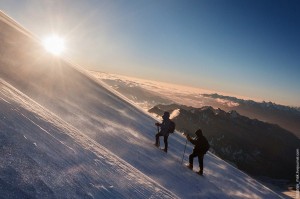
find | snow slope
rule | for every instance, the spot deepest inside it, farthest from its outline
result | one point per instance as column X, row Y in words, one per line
column 44, row 157
column 66, row 135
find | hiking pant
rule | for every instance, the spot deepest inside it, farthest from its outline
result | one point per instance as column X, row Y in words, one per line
column 200, row 159
column 165, row 139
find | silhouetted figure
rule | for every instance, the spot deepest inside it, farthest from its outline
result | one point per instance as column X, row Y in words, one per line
column 164, row 130
column 200, row 148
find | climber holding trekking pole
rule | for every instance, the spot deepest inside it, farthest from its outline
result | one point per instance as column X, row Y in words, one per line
column 200, row 148
column 166, row 127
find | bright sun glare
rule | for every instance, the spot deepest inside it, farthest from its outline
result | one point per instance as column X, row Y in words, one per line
column 54, row 44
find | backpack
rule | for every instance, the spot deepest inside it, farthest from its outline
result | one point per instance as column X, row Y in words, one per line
column 172, row 127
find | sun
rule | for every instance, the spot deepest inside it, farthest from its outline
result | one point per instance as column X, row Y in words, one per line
column 54, row 44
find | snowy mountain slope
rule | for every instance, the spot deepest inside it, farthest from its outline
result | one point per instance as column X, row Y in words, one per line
column 96, row 121
column 44, row 157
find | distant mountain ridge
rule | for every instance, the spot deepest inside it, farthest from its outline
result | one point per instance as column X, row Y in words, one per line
column 257, row 147
column 285, row 116
column 147, row 95
column 265, row 104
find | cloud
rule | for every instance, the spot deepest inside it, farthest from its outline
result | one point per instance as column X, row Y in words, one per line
column 174, row 113
column 227, row 102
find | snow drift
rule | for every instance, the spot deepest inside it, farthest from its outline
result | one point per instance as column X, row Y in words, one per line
column 66, row 135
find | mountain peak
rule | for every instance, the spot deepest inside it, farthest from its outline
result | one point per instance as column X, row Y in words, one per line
column 234, row 114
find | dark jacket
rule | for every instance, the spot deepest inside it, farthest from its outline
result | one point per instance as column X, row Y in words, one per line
column 164, row 127
column 201, row 144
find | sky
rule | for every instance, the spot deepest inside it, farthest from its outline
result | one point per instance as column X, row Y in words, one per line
column 247, row 48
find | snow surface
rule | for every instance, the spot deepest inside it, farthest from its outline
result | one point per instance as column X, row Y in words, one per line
column 43, row 156
column 64, row 134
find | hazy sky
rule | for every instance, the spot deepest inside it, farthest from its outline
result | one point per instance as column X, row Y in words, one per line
column 246, row 48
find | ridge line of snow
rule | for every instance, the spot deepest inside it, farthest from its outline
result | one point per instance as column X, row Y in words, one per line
column 10, row 21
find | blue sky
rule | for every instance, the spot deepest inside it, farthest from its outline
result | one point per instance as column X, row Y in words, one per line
column 243, row 48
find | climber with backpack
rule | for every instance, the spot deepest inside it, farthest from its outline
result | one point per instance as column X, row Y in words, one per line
column 166, row 127
column 200, row 149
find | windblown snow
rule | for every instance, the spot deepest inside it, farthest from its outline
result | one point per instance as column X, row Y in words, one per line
column 64, row 134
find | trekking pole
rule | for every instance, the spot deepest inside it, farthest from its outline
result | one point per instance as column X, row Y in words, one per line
column 158, row 137
column 184, row 150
